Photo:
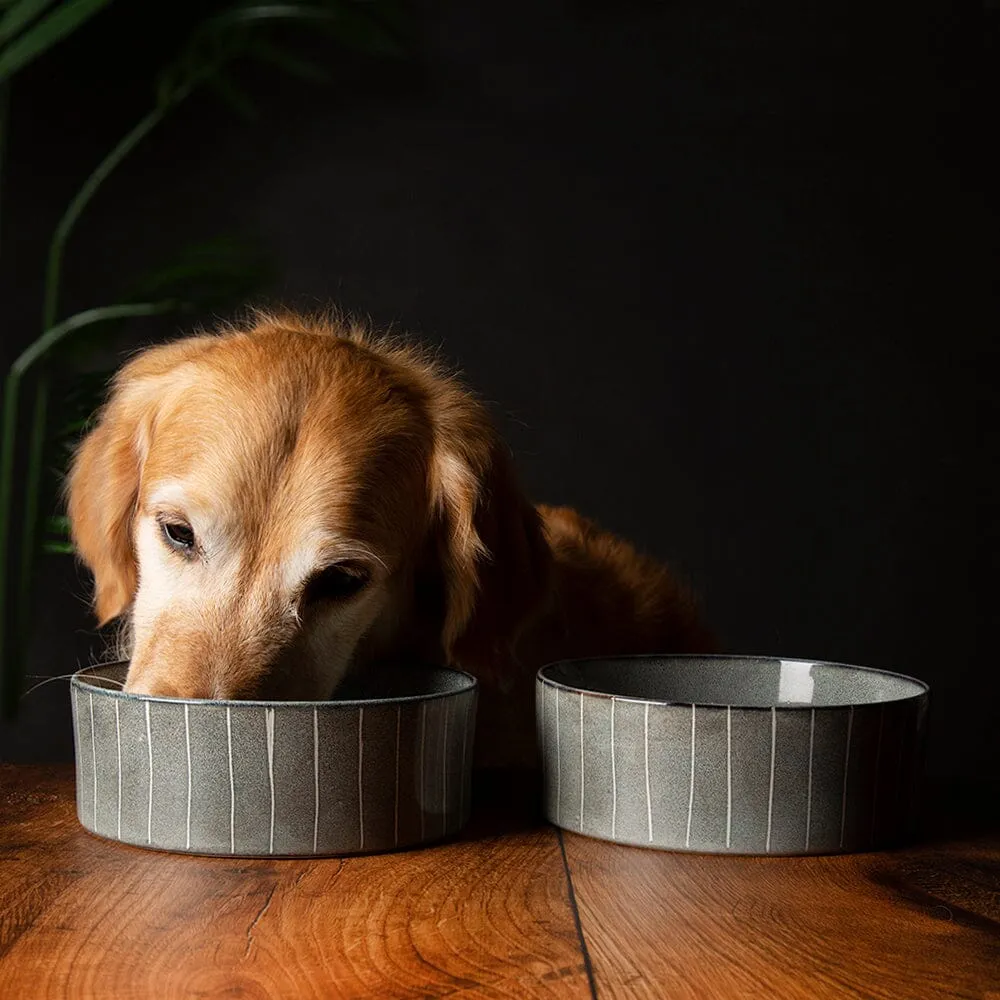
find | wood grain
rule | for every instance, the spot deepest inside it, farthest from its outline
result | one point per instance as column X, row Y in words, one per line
column 918, row 924
column 488, row 916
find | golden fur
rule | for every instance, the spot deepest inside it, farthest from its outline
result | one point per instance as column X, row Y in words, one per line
column 298, row 446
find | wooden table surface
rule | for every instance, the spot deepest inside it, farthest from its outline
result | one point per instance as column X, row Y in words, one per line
column 514, row 909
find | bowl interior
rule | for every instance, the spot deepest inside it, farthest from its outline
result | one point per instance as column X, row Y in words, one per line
column 745, row 681
column 384, row 684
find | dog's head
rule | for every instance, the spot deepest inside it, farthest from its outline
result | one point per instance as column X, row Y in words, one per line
column 273, row 507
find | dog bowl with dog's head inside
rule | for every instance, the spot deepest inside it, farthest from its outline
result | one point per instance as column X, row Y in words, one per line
column 731, row 754
column 385, row 766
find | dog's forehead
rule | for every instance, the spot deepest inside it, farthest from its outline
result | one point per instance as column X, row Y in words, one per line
column 315, row 440
column 261, row 403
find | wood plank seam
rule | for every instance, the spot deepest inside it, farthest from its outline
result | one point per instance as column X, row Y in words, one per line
column 585, row 953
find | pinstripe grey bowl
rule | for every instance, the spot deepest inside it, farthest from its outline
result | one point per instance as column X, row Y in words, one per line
column 731, row 754
column 386, row 766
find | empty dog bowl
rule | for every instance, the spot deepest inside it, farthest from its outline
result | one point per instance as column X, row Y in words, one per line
column 387, row 769
column 737, row 755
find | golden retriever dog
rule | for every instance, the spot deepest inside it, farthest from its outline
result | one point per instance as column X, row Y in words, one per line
column 269, row 509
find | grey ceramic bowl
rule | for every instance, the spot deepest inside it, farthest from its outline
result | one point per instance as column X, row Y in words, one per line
column 731, row 755
column 387, row 769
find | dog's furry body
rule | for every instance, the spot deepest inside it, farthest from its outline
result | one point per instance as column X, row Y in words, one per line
column 277, row 506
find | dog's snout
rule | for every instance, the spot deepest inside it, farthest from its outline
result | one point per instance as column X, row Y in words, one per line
column 198, row 675
column 169, row 687
column 205, row 683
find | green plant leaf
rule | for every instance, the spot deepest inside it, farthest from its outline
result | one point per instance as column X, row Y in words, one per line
column 31, row 28
column 55, row 334
column 52, row 28
column 221, row 273
column 21, row 13
column 57, row 247
column 58, row 548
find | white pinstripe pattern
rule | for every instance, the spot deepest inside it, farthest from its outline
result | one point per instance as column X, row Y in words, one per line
column 558, row 762
column 315, row 779
column 581, row 760
column 118, row 737
column 649, row 797
column 269, row 736
column 149, row 745
column 187, row 743
column 93, row 752
column 687, row 835
column 614, row 776
column 770, row 783
column 232, row 782
column 729, row 775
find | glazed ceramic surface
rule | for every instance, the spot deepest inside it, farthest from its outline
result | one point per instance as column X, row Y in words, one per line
column 735, row 755
column 387, row 769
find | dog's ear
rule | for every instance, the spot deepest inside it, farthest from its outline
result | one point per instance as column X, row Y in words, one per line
column 493, row 553
column 103, row 485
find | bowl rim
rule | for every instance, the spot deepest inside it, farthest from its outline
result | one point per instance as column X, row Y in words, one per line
column 922, row 692
column 79, row 682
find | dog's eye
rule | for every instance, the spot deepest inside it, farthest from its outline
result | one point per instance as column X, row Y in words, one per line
column 335, row 583
column 178, row 535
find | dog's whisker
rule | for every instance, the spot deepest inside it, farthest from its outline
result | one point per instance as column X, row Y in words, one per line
column 63, row 677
